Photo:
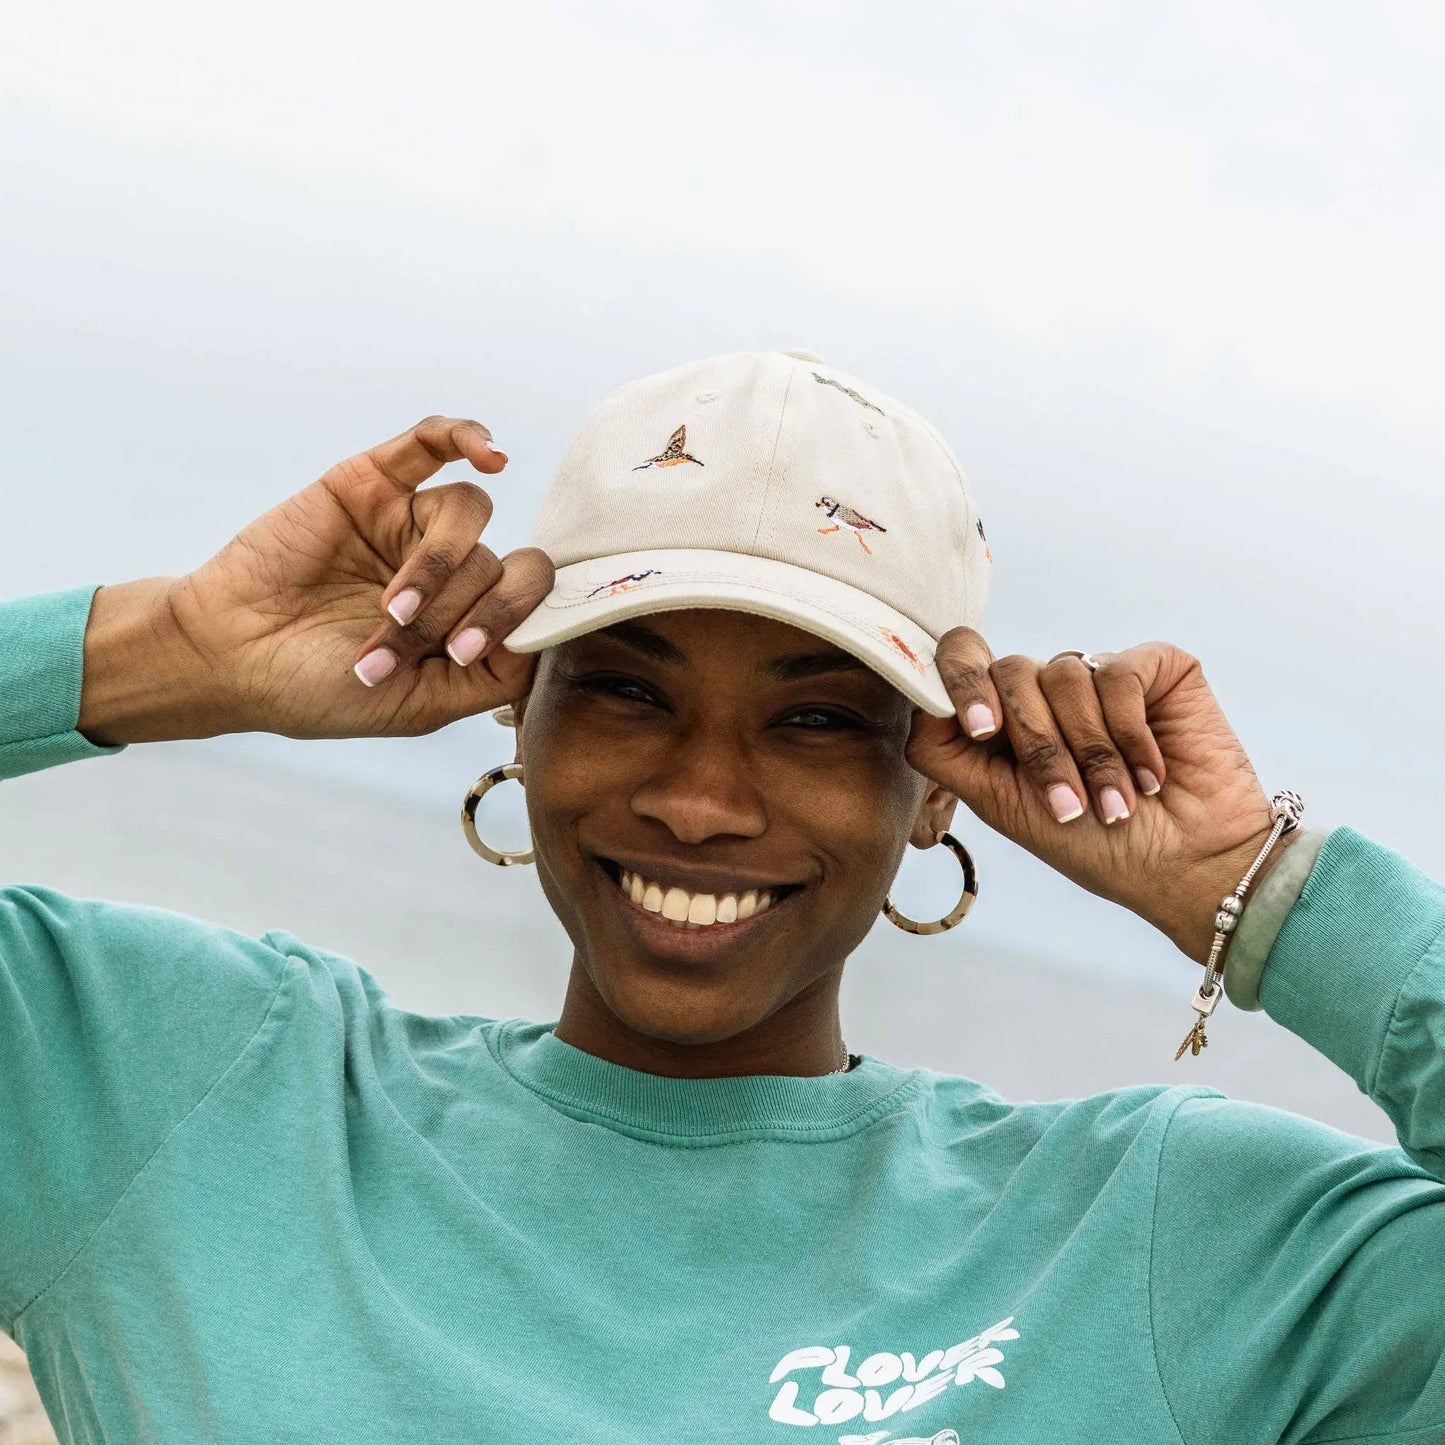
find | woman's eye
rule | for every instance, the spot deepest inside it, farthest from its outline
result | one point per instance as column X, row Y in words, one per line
column 830, row 719
column 815, row 719
column 631, row 691
column 626, row 688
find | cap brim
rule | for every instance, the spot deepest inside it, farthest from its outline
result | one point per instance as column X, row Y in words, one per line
column 602, row 590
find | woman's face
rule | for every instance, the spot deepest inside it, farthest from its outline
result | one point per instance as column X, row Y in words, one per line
column 717, row 752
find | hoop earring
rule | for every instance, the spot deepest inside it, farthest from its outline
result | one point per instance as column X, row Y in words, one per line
column 478, row 791
column 965, row 902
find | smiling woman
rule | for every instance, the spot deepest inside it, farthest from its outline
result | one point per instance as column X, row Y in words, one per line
column 748, row 782
column 740, row 655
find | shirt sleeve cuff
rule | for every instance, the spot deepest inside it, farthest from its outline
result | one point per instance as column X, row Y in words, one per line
column 42, row 654
column 1265, row 910
column 1364, row 920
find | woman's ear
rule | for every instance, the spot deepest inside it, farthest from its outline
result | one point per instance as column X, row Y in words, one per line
column 515, row 711
column 935, row 814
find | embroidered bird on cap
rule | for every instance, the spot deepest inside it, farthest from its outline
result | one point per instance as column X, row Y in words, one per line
column 847, row 517
column 673, row 454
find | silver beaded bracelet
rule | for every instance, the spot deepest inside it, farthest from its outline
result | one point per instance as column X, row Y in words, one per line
column 1286, row 808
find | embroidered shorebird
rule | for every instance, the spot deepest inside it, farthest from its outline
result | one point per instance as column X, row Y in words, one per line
column 978, row 522
column 624, row 584
column 673, row 454
column 856, row 522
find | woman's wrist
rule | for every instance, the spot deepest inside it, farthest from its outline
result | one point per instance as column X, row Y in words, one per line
column 142, row 681
column 1267, row 905
column 1192, row 927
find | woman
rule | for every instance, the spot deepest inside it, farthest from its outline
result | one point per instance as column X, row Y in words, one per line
column 740, row 660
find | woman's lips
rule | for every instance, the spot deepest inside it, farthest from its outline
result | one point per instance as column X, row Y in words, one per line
column 663, row 938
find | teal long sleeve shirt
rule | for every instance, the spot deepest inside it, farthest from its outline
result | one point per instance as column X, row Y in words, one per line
column 245, row 1197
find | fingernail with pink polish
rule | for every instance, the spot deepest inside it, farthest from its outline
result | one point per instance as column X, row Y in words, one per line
column 1148, row 783
column 380, row 662
column 980, row 719
column 1065, row 802
column 1113, row 804
column 467, row 645
column 403, row 606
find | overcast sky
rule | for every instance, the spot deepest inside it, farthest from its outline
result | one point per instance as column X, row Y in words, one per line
column 1167, row 277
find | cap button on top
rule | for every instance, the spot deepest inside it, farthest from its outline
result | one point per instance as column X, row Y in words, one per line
column 805, row 356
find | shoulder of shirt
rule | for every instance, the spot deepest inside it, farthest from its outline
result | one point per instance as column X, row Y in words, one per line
column 1117, row 1115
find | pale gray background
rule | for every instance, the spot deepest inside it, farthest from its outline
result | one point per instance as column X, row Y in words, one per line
column 1167, row 277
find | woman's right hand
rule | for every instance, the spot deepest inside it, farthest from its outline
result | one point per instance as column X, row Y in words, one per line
column 267, row 634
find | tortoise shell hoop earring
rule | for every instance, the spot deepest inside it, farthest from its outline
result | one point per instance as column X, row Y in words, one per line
column 483, row 785
column 965, row 902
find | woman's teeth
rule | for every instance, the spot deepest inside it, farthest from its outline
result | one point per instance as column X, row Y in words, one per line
column 693, row 910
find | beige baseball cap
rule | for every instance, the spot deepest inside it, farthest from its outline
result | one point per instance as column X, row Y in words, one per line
column 767, row 482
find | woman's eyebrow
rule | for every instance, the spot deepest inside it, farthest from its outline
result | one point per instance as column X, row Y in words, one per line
column 789, row 668
column 644, row 640
column 812, row 664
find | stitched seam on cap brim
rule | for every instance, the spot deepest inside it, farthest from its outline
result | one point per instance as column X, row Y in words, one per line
column 780, row 590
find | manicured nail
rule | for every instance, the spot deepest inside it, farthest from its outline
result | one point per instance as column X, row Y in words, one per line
column 980, row 719
column 1113, row 804
column 1065, row 802
column 403, row 606
column 377, row 664
column 467, row 645
column 1148, row 783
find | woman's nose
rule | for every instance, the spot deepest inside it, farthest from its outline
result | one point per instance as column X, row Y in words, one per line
column 702, row 791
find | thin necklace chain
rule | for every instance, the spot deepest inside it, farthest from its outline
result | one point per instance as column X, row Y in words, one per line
column 845, row 1065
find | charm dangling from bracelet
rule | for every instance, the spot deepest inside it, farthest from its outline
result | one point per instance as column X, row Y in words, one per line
column 1286, row 808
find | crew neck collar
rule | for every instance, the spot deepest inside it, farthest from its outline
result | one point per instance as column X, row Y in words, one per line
column 698, row 1111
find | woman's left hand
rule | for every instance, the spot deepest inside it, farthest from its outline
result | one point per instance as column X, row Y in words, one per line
column 1180, row 850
